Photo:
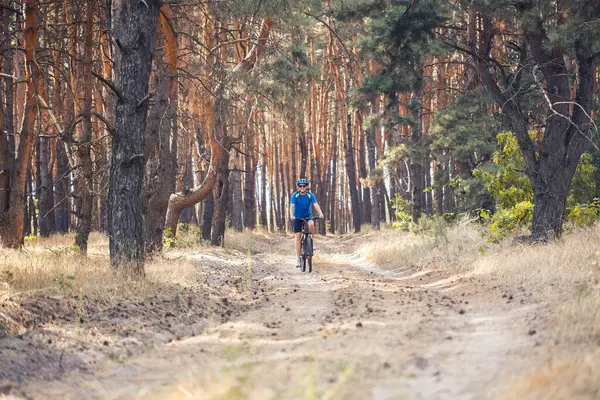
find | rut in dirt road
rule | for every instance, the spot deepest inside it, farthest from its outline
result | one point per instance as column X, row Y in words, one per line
column 349, row 330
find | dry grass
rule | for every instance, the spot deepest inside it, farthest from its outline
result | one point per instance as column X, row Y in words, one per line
column 53, row 265
column 453, row 247
column 257, row 241
column 575, row 378
column 563, row 275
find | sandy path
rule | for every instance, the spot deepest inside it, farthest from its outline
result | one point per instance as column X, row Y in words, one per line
column 350, row 330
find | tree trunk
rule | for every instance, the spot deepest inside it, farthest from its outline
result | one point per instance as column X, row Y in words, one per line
column 6, row 115
column 250, row 189
column 303, row 154
column 236, row 197
column 276, row 187
column 12, row 231
column 221, row 188
column 351, row 173
column 551, row 164
column 134, row 26
column 417, row 178
column 188, row 214
column 263, row 191
column 333, row 222
column 366, row 191
column 30, row 220
column 46, row 199
column 62, row 198
column 550, row 201
column 85, row 176
column 207, row 215
column 429, row 193
column 375, row 194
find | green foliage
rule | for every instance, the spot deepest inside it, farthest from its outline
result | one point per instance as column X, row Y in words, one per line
column 8, row 276
column 464, row 133
column 188, row 235
column 583, row 186
column 402, row 212
column 399, row 37
column 168, row 238
column 504, row 178
column 64, row 282
column 584, row 214
column 511, row 188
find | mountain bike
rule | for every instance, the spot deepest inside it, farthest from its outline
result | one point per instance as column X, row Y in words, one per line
column 306, row 245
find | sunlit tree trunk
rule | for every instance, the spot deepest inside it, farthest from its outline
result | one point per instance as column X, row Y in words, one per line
column 12, row 228
column 85, row 182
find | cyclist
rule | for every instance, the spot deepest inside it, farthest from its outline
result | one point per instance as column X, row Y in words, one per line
column 300, row 208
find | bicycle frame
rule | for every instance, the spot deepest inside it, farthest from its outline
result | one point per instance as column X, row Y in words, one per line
column 306, row 250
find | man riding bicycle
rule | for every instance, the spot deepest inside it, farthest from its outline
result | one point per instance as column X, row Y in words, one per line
column 300, row 208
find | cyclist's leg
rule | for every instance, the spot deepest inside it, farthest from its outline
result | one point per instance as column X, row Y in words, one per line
column 298, row 236
column 311, row 229
column 311, row 226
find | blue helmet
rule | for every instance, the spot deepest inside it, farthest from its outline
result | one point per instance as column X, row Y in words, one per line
column 302, row 181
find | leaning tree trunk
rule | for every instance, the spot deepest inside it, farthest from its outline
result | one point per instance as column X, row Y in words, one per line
column 134, row 26
column 181, row 200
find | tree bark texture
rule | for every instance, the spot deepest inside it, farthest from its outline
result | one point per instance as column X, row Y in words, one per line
column 85, row 175
column 551, row 164
column 134, row 24
column 12, row 228
column 46, row 199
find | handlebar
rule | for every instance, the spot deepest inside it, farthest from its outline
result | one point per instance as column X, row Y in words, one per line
column 306, row 219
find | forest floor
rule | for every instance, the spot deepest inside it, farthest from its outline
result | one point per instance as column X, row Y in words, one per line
column 249, row 325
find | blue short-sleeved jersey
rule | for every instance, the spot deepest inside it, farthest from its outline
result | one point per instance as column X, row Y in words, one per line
column 302, row 204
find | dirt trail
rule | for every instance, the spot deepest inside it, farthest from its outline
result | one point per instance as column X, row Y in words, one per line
column 350, row 330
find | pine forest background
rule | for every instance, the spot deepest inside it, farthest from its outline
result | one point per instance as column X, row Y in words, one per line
column 140, row 118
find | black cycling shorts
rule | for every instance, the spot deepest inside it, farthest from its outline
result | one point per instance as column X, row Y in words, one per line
column 297, row 225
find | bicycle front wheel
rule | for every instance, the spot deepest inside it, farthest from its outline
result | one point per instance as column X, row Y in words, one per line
column 309, row 246
column 309, row 252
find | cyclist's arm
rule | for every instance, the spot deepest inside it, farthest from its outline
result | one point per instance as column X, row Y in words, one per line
column 292, row 206
column 318, row 208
